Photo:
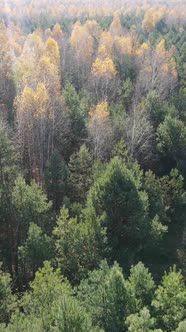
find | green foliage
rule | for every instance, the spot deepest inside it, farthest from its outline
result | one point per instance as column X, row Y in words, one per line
column 126, row 68
column 155, row 107
column 156, row 196
column 46, row 288
column 21, row 323
column 69, row 316
column 7, row 300
column 116, row 199
column 37, row 248
column 73, row 104
column 55, row 180
column 30, row 203
column 179, row 100
column 104, row 295
column 120, row 150
column 170, row 301
column 124, row 206
column 141, row 286
column 181, row 327
column 141, row 322
column 171, row 143
column 79, row 245
column 158, row 229
column 7, row 156
column 50, row 306
column 80, row 174
column 127, row 90
column 174, row 196
column 116, row 298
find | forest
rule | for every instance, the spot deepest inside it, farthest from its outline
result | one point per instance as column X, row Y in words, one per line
column 93, row 166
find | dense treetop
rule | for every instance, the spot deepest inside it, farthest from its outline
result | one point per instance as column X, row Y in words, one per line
column 93, row 166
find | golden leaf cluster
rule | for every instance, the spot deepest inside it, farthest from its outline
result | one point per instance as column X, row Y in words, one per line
column 101, row 111
column 34, row 102
column 103, row 68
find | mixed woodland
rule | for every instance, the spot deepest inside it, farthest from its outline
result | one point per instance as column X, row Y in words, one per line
column 92, row 166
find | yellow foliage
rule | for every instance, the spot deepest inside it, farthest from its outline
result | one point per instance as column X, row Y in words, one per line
column 169, row 67
column 158, row 14
column 101, row 111
column 36, row 102
column 41, row 100
column 124, row 44
column 34, row 45
column 164, row 67
column 92, row 26
column 103, row 68
column 52, row 50
column 151, row 18
column 75, row 32
column 46, row 67
column 57, row 32
column 144, row 47
column 48, row 73
column 27, row 97
column 173, row 67
column 148, row 24
column 82, row 42
column 48, row 33
column 41, row 94
column 102, row 52
column 25, row 71
column 17, row 48
column 44, row 61
column 160, row 48
column 106, row 41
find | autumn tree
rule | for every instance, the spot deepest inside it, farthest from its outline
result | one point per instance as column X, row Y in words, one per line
column 151, row 18
column 103, row 79
column 37, row 102
column 35, row 130
column 157, row 70
column 82, row 44
column 139, row 136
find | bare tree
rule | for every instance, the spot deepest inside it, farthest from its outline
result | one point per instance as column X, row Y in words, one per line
column 100, row 134
column 139, row 136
